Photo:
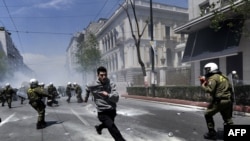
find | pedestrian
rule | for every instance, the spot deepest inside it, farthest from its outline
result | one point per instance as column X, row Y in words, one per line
column 220, row 90
column 52, row 91
column 78, row 91
column 105, row 97
column 35, row 95
column 68, row 91
column 8, row 93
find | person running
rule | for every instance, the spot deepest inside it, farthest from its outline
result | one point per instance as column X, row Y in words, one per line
column 105, row 97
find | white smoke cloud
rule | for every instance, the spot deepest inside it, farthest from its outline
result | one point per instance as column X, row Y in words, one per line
column 49, row 68
column 16, row 80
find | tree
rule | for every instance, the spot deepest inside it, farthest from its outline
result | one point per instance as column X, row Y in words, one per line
column 88, row 54
column 137, row 32
column 238, row 11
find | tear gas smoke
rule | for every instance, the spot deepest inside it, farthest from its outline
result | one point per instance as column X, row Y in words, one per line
column 51, row 69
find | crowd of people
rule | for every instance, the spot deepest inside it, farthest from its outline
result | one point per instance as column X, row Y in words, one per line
column 8, row 93
column 105, row 97
column 103, row 90
column 38, row 96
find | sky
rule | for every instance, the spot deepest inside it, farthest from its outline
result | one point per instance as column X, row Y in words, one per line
column 41, row 29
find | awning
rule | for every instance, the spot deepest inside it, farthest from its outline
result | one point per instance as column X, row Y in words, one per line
column 206, row 43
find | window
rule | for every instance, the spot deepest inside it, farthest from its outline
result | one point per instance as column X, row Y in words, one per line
column 225, row 2
column 205, row 8
column 167, row 32
column 149, row 30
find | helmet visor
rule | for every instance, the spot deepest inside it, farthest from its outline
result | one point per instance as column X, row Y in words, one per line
column 207, row 70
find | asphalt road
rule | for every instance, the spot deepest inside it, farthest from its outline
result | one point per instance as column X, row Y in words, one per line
column 137, row 120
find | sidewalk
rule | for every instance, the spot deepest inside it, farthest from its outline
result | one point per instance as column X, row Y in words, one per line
column 239, row 108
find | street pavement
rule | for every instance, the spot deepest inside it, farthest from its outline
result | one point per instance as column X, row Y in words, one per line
column 138, row 120
column 239, row 109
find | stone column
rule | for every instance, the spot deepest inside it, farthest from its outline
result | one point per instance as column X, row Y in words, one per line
column 162, row 76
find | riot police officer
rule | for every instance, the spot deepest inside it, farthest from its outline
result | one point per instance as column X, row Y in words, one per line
column 8, row 92
column 35, row 95
column 78, row 91
column 2, row 96
column 220, row 90
column 52, row 91
column 68, row 91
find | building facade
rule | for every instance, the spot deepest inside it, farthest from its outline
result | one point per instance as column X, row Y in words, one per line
column 118, row 46
column 230, row 50
column 71, row 59
column 10, row 56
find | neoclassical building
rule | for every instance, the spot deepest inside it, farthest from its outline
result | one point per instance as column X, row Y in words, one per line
column 119, row 51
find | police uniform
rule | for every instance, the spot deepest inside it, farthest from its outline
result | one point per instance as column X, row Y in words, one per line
column 220, row 90
column 35, row 95
column 78, row 91
column 68, row 91
column 52, row 91
column 2, row 96
column 8, row 92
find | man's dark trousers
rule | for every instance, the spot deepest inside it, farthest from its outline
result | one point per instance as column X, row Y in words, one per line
column 107, row 118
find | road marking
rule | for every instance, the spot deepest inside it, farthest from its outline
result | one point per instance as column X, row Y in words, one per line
column 79, row 117
column 7, row 119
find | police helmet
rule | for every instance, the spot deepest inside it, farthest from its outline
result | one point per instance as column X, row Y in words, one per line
column 41, row 84
column 33, row 81
column 210, row 67
column 7, row 84
column 234, row 72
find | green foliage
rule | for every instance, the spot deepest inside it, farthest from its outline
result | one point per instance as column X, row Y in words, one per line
column 193, row 93
column 88, row 54
column 238, row 12
column 242, row 94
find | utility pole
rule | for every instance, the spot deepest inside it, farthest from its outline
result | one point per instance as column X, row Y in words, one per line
column 152, row 51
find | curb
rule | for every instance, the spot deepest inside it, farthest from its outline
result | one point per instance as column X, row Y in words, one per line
column 242, row 110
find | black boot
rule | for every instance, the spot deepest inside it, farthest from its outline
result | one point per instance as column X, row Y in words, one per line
column 98, row 130
column 210, row 135
column 44, row 124
column 39, row 125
